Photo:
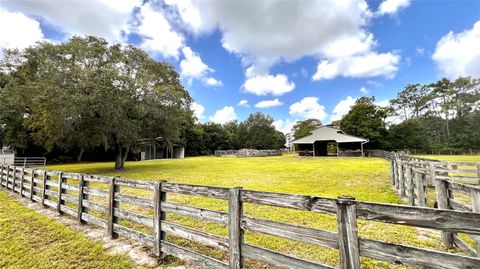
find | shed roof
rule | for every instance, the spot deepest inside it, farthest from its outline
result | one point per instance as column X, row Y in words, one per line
column 326, row 133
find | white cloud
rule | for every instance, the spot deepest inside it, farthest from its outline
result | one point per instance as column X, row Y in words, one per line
column 268, row 84
column 224, row 115
column 105, row 18
column 213, row 82
column 368, row 65
column 392, row 6
column 258, row 32
column 308, row 108
column 268, row 103
column 342, row 108
column 243, row 103
column 383, row 103
column 198, row 110
column 364, row 90
column 284, row 126
column 18, row 30
column 459, row 54
column 192, row 65
column 158, row 35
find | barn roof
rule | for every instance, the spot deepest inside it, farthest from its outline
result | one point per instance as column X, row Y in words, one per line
column 326, row 133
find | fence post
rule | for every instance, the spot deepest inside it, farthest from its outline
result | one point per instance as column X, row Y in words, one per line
column 403, row 170
column 32, row 184
column 478, row 172
column 347, row 233
column 441, row 188
column 14, row 177
column 60, row 191
column 412, row 172
column 235, row 232
column 1, row 174
column 476, row 209
column 112, row 204
column 81, row 197
column 433, row 173
column 44, row 187
column 158, row 217
column 421, row 195
column 392, row 171
column 22, row 180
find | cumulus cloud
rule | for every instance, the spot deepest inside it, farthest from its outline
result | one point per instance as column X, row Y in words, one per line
column 224, row 115
column 268, row 84
column 268, row 103
column 459, row 54
column 342, row 108
column 284, row 126
column 258, row 32
column 192, row 65
column 243, row 103
column 108, row 18
column 368, row 65
column 364, row 90
column 25, row 33
column 392, row 6
column 308, row 108
column 213, row 82
column 157, row 33
column 198, row 110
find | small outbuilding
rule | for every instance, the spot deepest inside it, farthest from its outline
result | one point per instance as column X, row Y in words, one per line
column 329, row 141
column 159, row 148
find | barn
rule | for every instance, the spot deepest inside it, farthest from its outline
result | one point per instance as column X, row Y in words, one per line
column 329, row 141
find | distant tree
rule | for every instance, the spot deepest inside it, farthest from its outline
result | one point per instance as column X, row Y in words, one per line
column 216, row 137
column 305, row 127
column 410, row 134
column 366, row 119
column 260, row 132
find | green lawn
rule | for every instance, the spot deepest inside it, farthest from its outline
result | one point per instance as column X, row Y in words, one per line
column 366, row 179
column 30, row 240
column 454, row 158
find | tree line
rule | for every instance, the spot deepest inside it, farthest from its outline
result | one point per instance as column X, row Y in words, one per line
column 86, row 99
column 439, row 117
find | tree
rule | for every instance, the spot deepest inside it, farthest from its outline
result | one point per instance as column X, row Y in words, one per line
column 305, row 127
column 260, row 132
column 86, row 93
column 366, row 119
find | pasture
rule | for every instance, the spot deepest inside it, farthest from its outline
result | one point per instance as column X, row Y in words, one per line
column 366, row 179
column 29, row 239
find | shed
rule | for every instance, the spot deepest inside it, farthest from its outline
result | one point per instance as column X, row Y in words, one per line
column 327, row 140
column 159, row 148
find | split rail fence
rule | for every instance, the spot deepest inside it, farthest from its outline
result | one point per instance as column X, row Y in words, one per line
column 456, row 186
column 80, row 196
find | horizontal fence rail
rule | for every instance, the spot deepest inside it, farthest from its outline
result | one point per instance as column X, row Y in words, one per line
column 248, row 153
column 456, row 186
column 96, row 199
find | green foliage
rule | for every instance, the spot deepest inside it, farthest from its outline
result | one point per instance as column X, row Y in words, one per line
column 366, row 119
column 303, row 128
column 87, row 93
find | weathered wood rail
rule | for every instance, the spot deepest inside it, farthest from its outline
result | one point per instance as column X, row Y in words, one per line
column 73, row 194
column 411, row 177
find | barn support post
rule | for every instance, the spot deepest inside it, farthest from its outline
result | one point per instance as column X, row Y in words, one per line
column 347, row 233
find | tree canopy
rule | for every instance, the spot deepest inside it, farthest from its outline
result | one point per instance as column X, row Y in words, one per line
column 87, row 93
column 305, row 127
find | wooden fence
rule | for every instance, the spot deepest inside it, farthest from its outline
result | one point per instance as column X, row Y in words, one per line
column 248, row 153
column 81, row 196
column 455, row 184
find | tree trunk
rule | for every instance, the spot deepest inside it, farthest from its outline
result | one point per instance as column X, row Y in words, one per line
column 80, row 155
column 121, row 155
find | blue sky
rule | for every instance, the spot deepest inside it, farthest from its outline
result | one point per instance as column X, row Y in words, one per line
column 290, row 59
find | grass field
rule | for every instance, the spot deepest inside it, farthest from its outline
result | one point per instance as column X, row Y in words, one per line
column 457, row 158
column 366, row 179
column 31, row 240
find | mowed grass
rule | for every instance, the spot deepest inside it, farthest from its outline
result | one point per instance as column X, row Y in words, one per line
column 30, row 240
column 453, row 158
column 366, row 179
